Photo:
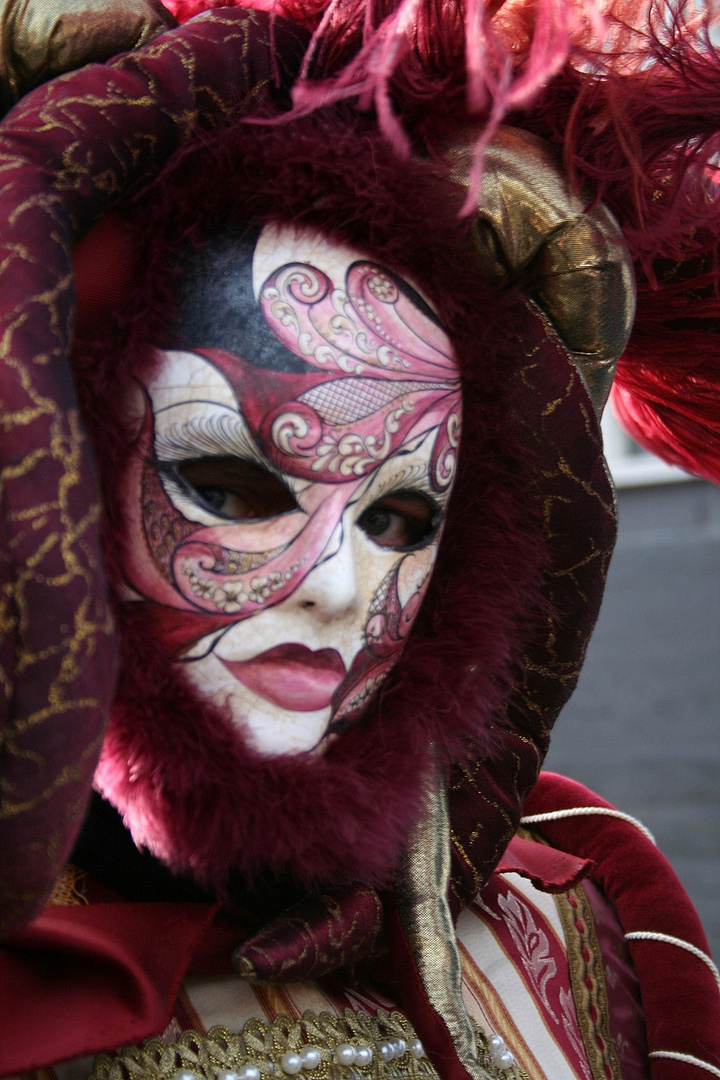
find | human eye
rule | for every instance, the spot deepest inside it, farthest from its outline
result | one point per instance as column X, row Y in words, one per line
column 234, row 488
column 401, row 521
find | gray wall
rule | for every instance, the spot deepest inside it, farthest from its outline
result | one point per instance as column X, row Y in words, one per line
column 643, row 728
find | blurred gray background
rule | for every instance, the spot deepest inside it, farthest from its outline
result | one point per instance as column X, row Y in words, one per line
column 643, row 727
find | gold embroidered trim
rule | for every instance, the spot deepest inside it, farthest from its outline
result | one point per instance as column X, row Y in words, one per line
column 69, row 889
column 587, row 981
column 272, row 1050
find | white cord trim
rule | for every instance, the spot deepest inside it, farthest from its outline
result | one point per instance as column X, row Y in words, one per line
column 583, row 811
column 687, row 1058
column 648, row 935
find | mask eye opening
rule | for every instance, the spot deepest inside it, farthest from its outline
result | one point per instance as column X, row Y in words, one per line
column 404, row 520
column 231, row 488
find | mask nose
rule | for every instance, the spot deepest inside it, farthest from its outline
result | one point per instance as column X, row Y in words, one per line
column 332, row 588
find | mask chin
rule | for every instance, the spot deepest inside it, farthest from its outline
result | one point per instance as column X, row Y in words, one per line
column 194, row 791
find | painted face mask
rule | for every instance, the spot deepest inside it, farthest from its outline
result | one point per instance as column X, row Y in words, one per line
column 287, row 502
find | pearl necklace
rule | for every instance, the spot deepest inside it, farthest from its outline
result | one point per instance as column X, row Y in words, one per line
column 356, row 1046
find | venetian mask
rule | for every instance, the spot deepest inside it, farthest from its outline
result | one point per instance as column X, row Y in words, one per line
column 288, row 495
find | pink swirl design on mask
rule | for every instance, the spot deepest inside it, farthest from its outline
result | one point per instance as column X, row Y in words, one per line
column 231, row 570
column 368, row 333
column 383, row 373
column 396, row 321
column 370, row 324
column 204, row 581
column 445, row 450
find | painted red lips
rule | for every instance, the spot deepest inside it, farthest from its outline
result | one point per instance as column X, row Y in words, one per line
column 292, row 676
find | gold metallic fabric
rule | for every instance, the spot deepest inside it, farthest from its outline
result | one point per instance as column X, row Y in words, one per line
column 44, row 38
column 575, row 260
column 422, row 891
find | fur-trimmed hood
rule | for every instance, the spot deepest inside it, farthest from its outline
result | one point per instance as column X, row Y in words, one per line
column 187, row 787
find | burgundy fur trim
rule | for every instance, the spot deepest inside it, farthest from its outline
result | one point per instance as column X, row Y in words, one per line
column 187, row 786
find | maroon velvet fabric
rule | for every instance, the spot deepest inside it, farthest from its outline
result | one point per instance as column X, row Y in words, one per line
column 67, row 152
column 579, row 528
column 548, row 869
column 680, row 996
column 90, row 978
column 338, row 928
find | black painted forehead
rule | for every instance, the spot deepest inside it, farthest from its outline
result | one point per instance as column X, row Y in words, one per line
column 217, row 306
column 218, row 310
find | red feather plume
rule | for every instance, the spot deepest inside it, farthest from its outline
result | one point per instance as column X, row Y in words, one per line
column 628, row 89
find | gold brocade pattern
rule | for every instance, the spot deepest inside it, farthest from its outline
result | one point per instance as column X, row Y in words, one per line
column 263, row 1045
column 58, row 558
column 587, row 981
column 44, row 38
column 328, row 930
column 551, row 409
column 493, row 840
column 529, row 220
column 562, row 488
